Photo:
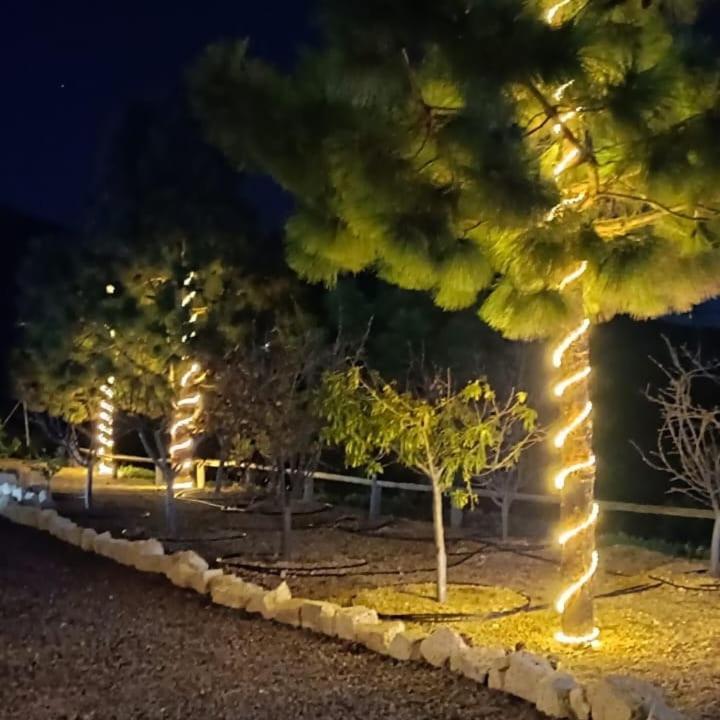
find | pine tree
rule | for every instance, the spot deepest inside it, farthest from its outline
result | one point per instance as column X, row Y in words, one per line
column 551, row 161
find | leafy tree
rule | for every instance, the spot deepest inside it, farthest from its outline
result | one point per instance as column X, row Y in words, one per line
column 551, row 161
column 436, row 431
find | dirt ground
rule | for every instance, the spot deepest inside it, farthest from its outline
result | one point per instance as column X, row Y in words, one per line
column 84, row 638
column 659, row 615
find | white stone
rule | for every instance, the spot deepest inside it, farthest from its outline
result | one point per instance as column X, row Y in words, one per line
column 579, row 703
column 348, row 618
column 154, row 563
column 191, row 558
column 230, row 591
column 475, row 662
column 265, row 604
column 288, row 612
column 378, row 636
column 318, row 616
column 101, row 542
column 73, row 535
column 553, row 694
column 406, row 645
column 200, row 581
column 496, row 676
column 149, row 547
column 46, row 518
column 438, row 647
column 87, row 538
column 525, row 673
column 621, row 697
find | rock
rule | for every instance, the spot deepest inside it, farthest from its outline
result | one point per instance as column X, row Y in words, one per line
column 475, row 662
column 496, row 676
column 266, row 602
column 621, row 697
column 100, row 542
column 378, row 636
column 149, row 547
column 192, row 559
column 348, row 618
column 438, row 647
column 318, row 616
column 199, row 581
column 154, row 563
column 288, row 612
column 553, row 694
column 579, row 703
column 87, row 539
column 406, row 645
column 73, row 535
column 525, row 673
column 230, row 591
column 46, row 517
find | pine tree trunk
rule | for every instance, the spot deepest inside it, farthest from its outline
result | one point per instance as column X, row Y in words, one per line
column 286, row 516
column 715, row 548
column 439, row 532
column 578, row 493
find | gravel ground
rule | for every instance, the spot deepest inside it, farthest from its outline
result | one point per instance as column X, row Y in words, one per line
column 83, row 637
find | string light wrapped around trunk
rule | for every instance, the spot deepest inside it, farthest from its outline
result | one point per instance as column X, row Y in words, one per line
column 575, row 478
column 105, row 425
column 188, row 405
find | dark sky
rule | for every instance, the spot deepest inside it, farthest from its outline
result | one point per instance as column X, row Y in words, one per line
column 68, row 69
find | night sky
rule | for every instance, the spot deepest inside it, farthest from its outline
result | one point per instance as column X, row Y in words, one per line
column 69, row 69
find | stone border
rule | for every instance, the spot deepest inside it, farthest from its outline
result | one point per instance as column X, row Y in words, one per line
column 523, row 674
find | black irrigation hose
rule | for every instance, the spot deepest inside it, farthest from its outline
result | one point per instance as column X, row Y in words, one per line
column 181, row 541
column 335, row 571
column 316, row 571
column 707, row 587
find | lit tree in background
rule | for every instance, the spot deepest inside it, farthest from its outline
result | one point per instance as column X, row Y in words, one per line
column 554, row 163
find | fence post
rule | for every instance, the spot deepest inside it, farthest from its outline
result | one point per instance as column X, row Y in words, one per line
column 375, row 499
column 308, row 489
column 200, row 475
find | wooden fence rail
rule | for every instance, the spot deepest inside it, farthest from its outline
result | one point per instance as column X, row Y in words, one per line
column 376, row 486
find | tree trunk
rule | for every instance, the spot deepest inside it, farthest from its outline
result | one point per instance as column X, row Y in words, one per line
column 573, row 441
column 715, row 548
column 89, row 481
column 170, row 514
column 439, row 532
column 286, row 515
column 505, row 504
column 220, row 475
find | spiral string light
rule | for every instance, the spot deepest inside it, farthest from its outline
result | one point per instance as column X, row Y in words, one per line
column 104, row 435
column 576, row 423
column 189, row 402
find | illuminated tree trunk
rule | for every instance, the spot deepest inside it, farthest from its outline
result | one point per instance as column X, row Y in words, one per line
column 575, row 477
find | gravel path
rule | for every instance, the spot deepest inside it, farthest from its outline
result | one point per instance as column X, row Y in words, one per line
column 82, row 637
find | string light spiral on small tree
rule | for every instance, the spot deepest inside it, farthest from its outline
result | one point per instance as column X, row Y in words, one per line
column 104, row 435
column 188, row 405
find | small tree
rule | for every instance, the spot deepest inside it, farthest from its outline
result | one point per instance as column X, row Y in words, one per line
column 688, row 440
column 433, row 429
column 267, row 391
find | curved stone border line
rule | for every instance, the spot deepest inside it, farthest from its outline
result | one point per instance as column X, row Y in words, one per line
column 523, row 674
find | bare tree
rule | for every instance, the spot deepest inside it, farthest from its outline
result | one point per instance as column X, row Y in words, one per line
column 266, row 389
column 688, row 441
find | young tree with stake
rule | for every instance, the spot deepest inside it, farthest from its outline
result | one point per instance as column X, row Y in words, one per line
column 437, row 431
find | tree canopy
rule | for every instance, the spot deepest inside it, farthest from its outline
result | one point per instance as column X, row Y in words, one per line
column 477, row 151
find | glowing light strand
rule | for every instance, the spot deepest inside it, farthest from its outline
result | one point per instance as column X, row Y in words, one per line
column 563, row 474
column 551, row 14
column 189, row 402
column 104, row 428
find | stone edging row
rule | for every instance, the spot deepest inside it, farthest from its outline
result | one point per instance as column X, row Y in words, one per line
column 523, row 674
